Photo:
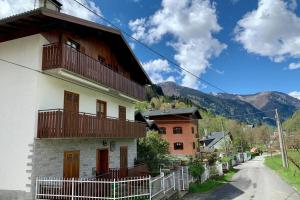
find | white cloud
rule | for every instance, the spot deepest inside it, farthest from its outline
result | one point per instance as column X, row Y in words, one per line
column 191, row 23
column 132, row 45
column 12, row 7
column 272, row 30
column 158, row 70
column 295, row 94
column 293, row 66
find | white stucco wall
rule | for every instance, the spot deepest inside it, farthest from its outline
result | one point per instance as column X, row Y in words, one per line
column 51, row 96
column 18, row 96
column 23, row 92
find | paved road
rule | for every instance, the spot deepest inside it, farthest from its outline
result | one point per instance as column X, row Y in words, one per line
column 253, row 181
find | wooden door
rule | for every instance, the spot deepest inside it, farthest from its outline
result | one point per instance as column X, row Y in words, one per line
column 71, row 164
column 71, row 113
column 102, row 160
column 122, row 113
column 71, row 101
column 123, row 161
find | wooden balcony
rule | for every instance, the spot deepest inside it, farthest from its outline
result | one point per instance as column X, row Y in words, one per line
column 59, row 123
column 60, row 55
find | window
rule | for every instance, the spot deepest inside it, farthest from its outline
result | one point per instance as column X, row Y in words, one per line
column 193, row 130
column 101, row 59
column 177, row 130
column 178, row 146
column 101, row 108
column 73, row 44
column 162, row 130
column 194, row 145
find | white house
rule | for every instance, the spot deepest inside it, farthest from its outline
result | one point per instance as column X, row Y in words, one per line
column 216, row 140
column 68, row 88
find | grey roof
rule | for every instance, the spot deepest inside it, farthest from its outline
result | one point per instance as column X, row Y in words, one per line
column 211, row 139
column 180, row 111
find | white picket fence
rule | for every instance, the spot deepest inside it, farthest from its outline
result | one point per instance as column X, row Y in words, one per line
column 83, row 189
column 126, row 188
column 79, row 189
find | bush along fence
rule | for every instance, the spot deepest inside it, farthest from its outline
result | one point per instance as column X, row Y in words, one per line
column 125, row 188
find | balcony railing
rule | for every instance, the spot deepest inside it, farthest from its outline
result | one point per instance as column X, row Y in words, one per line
column 60, row 55
column 60, row 123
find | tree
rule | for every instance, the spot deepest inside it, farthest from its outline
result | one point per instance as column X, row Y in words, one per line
column 152, row 150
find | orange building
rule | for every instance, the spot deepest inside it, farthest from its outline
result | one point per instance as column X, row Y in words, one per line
column 179, row 127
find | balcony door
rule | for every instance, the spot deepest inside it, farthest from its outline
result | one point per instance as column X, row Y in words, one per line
column 123, row 161
column 71, row 164
column 122, row 113
column 71, row 115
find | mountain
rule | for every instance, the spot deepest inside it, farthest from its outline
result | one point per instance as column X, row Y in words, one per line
column 292, row 125
column 266, row 101
column 238, row 107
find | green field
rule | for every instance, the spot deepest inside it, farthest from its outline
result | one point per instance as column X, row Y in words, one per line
column 212, row 183
column 290, row 175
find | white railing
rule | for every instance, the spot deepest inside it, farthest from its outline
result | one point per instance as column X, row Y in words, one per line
column 79, row 189
column 156, row 185
column 169, row 182
column 88, row 189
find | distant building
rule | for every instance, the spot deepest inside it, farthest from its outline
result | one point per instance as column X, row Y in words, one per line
column 179, row 127
column 150, row 124
column 215, row 140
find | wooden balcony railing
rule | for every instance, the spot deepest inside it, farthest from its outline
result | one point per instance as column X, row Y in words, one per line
column 60, row 55
column 60, row 123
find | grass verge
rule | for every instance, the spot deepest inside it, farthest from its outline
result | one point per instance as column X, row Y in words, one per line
column 212, row 183
column 290, row 175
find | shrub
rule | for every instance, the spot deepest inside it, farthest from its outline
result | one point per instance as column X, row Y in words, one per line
column 196, row 169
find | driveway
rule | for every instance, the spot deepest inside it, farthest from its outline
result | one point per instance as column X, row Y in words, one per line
column 252, row 181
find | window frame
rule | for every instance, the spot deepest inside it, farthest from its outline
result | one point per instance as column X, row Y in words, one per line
column 162, row 132
column 73, row 44
column 177, row 132
column 99, row 113
column 175, row 145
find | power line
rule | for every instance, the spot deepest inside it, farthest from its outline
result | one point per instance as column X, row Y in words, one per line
column 53, row 76
column 41, row 72
column 149, row 48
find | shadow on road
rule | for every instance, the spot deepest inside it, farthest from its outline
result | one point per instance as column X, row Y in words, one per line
column 228, row 191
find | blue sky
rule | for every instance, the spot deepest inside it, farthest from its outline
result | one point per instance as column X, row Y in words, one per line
column 235, row 70
column 242, row 46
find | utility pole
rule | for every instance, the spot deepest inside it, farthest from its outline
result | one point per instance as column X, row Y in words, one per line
column 224, row 138
column 281, row 141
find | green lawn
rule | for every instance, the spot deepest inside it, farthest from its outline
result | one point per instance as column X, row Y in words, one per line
column 212, row 183
column 290, row 175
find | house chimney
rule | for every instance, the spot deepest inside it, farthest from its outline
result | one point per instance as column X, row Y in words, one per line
column 50, row 4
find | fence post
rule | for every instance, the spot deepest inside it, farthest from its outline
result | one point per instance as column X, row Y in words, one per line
column 163, row 183
column 150, row 188
column 187, row 175
column 114, row 188
column 182, row 177
column 36, row 187
column 72, row 196
column 174, row 179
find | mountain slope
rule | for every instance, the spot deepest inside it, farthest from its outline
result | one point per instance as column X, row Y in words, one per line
column 238, row 107
column 265, row 101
